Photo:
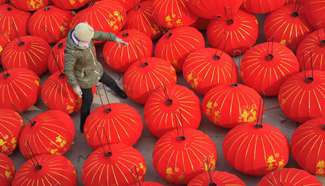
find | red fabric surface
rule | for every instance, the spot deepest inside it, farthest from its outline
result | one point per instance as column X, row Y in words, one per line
column 7, row 170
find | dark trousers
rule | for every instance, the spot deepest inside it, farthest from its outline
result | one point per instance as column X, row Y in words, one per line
column 87, row 98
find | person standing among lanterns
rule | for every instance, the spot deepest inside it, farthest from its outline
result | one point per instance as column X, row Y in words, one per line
column 82, row 69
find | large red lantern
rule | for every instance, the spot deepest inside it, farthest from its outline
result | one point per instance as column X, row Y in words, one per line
column 256, row 149
column 119, row 57
column 7, row 170
column 106, row 16
column 129, row 4
column 29, row 5
column 13, row 21
column 266, row 66
column 207, row 68
column 10, row 125
column 210, row 9
column 179, row 155
column 235, row 34
column 19, row 89
column 172, row 107
column 50, row 23
column 57, row 94
column 113, row 165
column 117, row 123
column 302, row 98
column 56, row 57
column 314, row 13
column 27, row 52
column 216, row 178
column 262, row 7
column 172, row 13
column 45, row 170
column 4, row 40
column 287, row 26
column 223, row 110
column 145, row 76
column 311, row 51
column 140, row 18
column 50, row 132
column 311, row 134
column 177, row 43
column 70, row 4
column 289, row 176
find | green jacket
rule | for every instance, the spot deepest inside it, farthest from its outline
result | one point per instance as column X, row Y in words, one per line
column 80, row 65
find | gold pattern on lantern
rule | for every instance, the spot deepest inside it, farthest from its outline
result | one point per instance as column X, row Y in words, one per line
column 63, row 29
column 172, row 20
column 70, row 108
column 248, row 114
column 1, row 49
column 8, row 174
column 54, row 151
column 274, row 162
column 36, row 82
column 320, row 168
column 60, row 140
column 35, row 4
column 193, row 80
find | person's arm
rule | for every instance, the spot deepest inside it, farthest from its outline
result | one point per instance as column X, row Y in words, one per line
column 69, row 62
column 103, row 36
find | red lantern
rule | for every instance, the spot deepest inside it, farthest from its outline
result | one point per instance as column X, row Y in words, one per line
column 106, row 16
column 172, row 13
column 180, row 157
column 140, row 18
column 117, row 123
column 56, row 57
column 289, row 176
column 210, row 9
column 145, row 76
column 57, row 94
column 207, row 68
column 287, row 26
column 177, row 44
column 3, row 42
column 7, row 170
column 172, row 107
column 70, row 4
column 27, row 52
column 224, row 110
column 29, row 5
column 302, row 98
column 19, row 89
column 314, row 13
column 50, row 132
column 45, row 170
column 311, row 134
column 113, row 165
column 262, row 7
column 129, row 4
column 311, row 50
column 233, row 35
column 50, row 23
column 256, row 149
column 266, row 66
column 13, row 21
column 216, row 178
column 10, row 125
column 119, row 57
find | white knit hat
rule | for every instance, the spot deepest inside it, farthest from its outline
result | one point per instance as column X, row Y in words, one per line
column 84, row 32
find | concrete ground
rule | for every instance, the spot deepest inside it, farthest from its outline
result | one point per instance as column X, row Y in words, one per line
column 80, row 150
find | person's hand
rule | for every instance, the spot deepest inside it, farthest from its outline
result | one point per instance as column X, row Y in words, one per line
column 77, row 90
column 121, row 42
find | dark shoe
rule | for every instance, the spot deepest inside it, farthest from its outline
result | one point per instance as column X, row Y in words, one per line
column 119, row 92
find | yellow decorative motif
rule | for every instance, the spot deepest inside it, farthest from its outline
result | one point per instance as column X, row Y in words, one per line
column 320, row 168
column 1, row 49
column 35, row 4
column 283, row 42
column 172, row 19
column 248, row 114
column 36, row 82
column 60, row 140
column 70, row 108
column 54, row 151
column 274, row 162
column 8, row 174
column 2, row 142
column 193, row 80
column 63, row 29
